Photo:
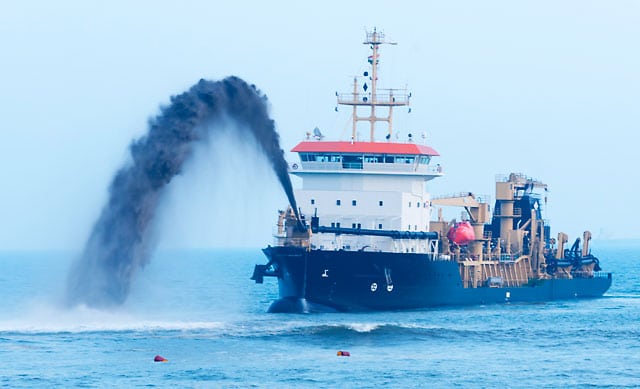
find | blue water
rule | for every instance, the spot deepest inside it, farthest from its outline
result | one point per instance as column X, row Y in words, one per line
column 199, row 310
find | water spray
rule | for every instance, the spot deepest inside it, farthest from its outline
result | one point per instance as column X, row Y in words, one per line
column 120, row 243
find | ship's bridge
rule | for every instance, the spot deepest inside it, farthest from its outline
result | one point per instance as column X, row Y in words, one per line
column 370, row 158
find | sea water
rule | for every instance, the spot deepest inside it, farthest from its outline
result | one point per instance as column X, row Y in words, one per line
column 199, row 310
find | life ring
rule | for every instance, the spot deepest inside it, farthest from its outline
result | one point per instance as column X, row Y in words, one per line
column 294, row 166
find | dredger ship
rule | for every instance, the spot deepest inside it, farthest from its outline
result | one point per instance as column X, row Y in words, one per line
column 363, row 238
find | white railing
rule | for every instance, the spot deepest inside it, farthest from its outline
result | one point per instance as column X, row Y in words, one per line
column 383, row 97
column 365, row 166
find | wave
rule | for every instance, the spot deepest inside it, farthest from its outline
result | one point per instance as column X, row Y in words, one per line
column 304, row 332
column 45, row 318
column 87, row 320
column 138, row 326
column 82, row 319
column 622, row 295
column 408, row 332
column 359, row 330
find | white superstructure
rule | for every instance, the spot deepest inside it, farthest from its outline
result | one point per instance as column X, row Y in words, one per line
column 367, row 185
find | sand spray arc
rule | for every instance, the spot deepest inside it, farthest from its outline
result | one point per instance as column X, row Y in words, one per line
column 120, row 243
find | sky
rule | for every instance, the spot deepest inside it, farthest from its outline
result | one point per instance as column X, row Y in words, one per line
column 547, row 88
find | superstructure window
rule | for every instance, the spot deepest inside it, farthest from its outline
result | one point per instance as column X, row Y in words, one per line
column 311, row 157
column 409, row 204
column 337, row 202
column 404, row 159
column 373, row 158
column 353, row 225
column 418, row 204
column 380, row 226
column 352, row 162
column 313, row 201
column 381, row 203
column 354, row 202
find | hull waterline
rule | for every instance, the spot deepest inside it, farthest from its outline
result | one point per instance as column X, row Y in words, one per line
column 311, row 281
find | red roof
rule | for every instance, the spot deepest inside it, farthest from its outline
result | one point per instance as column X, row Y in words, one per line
column 364, row 148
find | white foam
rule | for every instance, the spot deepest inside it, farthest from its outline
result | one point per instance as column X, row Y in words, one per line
column 47, row 318
column 364, row 327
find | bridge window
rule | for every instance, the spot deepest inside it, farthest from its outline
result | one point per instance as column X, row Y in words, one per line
column 373, row 159
column 424, row 160
column 352, row 162
column 404, row 159
column 319, row 157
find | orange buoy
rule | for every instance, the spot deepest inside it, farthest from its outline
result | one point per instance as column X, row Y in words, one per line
column 159, row 358
column 343, row 354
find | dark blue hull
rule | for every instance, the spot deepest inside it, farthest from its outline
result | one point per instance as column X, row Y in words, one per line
column 357, row 281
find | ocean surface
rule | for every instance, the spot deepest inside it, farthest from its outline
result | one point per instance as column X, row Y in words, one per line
column 198, row 309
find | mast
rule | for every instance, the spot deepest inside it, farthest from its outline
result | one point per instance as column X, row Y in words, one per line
column 372, row 97
column 374, row 39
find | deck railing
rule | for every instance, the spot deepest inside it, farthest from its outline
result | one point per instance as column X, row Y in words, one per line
column 366, row 166
column 383, row 97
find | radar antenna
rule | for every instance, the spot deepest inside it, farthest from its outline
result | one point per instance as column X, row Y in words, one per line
column 317, row 134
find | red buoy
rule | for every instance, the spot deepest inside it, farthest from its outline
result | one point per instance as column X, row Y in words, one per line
column 343, row 354
column 159, row 358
